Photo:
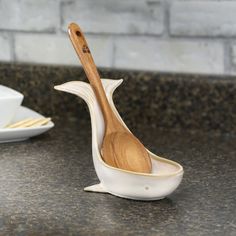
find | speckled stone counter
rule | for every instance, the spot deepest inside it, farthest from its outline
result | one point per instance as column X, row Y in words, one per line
column 42, row 181
column 172, row 101
column 187, row 118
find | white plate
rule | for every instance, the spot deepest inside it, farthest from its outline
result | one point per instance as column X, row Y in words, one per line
column 20, row 134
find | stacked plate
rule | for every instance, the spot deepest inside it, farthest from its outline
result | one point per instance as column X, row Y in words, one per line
column 12, row 112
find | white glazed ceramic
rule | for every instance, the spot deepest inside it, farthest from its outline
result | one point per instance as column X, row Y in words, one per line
column 20, row 134
column 166, row 174
column 10, row 101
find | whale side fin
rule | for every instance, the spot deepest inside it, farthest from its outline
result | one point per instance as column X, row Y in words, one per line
column 99, row 188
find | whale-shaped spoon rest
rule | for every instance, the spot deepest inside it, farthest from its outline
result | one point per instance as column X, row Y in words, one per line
column 166, row 174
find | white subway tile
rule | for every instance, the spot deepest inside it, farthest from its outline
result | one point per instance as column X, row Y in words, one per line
column 203, row 18
column 29, row 15
column 53, row 49
column 174, row 56
column 102, row 16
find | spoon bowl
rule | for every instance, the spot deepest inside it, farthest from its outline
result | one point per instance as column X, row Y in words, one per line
column 126, row 146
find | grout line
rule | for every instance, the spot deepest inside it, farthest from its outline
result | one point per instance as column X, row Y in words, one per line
column 58, row 26
column 156, row 36
column 60, row 29
column 12, row 46
column 113, row 52
column 166, row 19
column 228, row 57
column 27, row 32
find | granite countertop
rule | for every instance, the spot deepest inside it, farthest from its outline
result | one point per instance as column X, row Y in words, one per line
column 185, row 102
column 42, row 181
column 190, row 119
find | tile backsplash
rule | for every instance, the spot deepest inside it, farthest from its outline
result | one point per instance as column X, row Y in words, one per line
column 157, row 35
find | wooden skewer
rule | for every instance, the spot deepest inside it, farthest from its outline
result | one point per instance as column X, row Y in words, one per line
column 20, row 123
column 30, row 122
column 41, row 122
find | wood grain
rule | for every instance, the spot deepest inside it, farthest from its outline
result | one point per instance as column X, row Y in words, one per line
column 120, row 148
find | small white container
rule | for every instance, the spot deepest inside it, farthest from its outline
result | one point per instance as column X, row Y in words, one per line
column 10, row 101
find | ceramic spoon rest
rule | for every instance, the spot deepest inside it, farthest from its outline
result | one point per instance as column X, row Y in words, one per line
column 166, row 174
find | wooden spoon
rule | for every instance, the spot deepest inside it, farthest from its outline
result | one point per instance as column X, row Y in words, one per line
column 120, row 148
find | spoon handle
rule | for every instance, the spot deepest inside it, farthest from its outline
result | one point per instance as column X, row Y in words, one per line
column 85, row 56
